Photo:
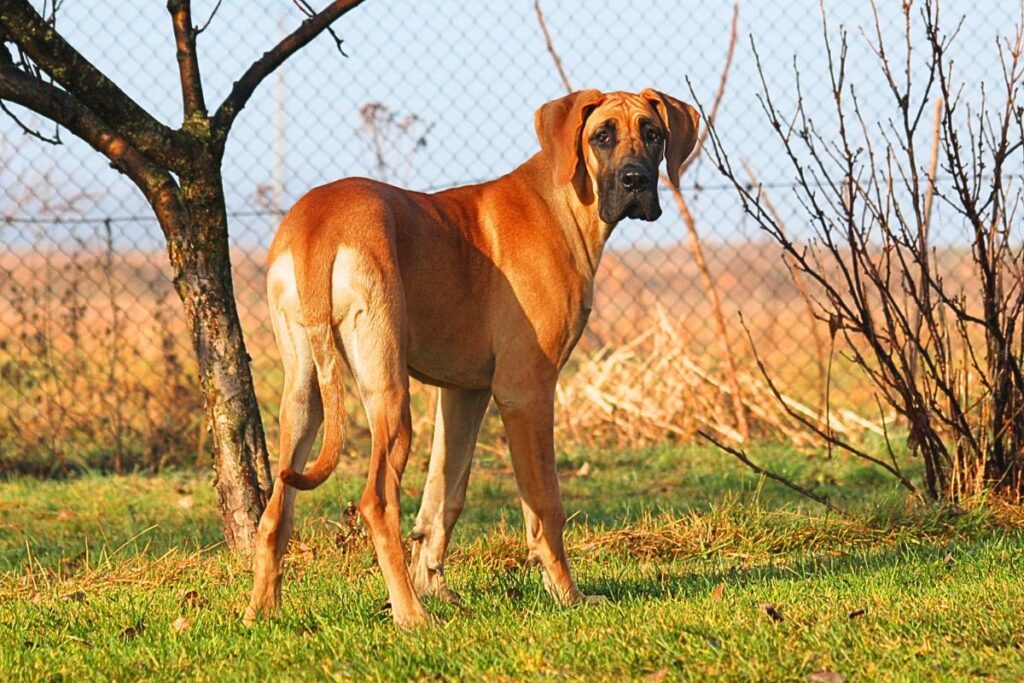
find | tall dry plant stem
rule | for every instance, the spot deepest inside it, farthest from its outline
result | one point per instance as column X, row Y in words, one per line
column 924, row 247
column 551, row 46
column 697, row 249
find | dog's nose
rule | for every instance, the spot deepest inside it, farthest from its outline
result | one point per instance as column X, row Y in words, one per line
column 635, row 178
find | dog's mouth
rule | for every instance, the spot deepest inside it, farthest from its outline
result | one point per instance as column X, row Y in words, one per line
column 643, row 207
column 635, row 211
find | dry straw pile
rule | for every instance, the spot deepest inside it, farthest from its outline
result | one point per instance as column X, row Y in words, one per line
column 651, row 390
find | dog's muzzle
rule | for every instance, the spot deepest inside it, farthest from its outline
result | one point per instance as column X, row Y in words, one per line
column 630, row 193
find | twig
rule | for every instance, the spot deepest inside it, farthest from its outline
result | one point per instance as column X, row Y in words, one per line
column 206, row 24
column 923, row 233
column 551, row 46
column 27, row 130
column 310, row 12
column 742, row 457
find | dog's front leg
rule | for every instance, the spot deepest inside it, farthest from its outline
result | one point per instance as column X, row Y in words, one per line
column 528, row 415
column 459, row 413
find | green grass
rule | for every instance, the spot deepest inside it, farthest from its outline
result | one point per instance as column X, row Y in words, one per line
column 686, row 544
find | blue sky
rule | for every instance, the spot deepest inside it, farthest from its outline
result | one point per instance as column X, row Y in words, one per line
column 474, row 72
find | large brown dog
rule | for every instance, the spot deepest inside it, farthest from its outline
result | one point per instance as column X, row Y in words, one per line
column 480, row 290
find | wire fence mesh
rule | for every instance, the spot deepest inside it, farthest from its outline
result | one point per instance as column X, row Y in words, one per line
column 95, row 361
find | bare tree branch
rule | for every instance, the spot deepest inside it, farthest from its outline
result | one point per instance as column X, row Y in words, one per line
column 36, row 37
column 188, row 61
column 265, row 65
column 209, row 19
column 57, row 105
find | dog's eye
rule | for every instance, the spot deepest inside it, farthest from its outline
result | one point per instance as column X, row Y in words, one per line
column 603, row 137
column 653, row 135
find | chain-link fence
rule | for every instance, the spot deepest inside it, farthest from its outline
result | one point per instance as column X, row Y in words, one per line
column 95, row 364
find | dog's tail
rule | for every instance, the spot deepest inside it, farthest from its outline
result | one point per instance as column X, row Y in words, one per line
column 313, row 277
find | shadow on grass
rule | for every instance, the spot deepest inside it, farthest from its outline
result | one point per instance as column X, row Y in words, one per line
column 929, row 563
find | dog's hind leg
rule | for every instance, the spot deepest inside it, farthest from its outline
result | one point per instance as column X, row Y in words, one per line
column 301, row 417
column 375, row 346
column 459, row 413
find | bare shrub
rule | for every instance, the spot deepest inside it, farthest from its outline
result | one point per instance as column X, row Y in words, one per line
column 946, row 358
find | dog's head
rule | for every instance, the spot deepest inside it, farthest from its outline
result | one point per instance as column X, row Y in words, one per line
column 613, row 143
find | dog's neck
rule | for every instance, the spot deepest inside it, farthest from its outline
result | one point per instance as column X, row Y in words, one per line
column 583, row 229
column 574, row 209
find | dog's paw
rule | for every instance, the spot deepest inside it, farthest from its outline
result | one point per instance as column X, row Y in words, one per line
column 414, row 621
column 594, row 600
column 262, row 608
column 250, row 616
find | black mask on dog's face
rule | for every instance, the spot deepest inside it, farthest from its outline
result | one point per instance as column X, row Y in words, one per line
column 627, row 150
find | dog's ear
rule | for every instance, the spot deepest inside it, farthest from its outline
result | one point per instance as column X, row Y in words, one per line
column 682, row 123
column 559, row 124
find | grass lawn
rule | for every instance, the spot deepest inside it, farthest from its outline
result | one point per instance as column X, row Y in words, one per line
column 123, row 578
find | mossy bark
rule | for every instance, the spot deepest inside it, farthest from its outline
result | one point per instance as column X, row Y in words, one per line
column 200, row 258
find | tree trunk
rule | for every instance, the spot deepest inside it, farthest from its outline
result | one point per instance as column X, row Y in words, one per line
column 202, row 277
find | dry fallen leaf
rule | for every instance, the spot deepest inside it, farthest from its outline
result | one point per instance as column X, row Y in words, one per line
column 658, row 675
column 133, row 631
column 826, row 677
column 193, row 599
column 718, row 592
column 181, row 625
column 584, row 470
column 185, row 502
column 772, row 613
